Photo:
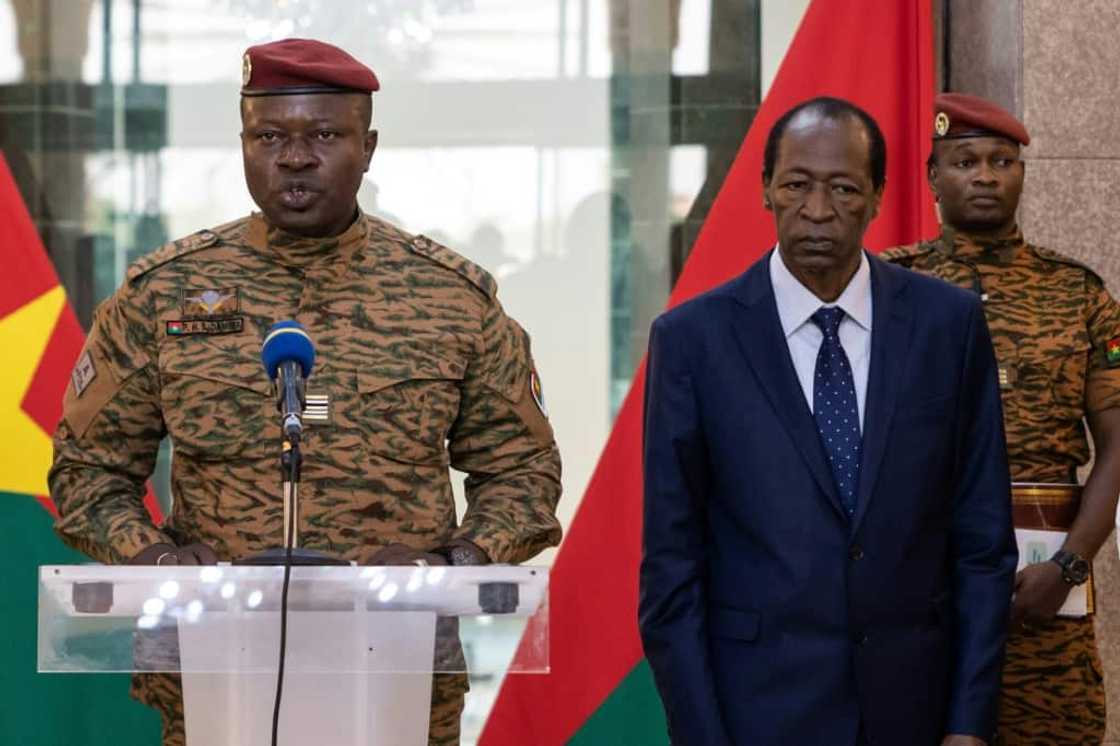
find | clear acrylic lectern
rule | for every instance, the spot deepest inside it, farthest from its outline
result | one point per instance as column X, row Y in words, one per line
column 362, row 642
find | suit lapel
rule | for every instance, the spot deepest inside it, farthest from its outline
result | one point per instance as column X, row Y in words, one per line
column 890, row 343
column 758, row 333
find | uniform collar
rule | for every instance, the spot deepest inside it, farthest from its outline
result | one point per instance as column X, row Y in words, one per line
column 298, row 252
column 966, row 245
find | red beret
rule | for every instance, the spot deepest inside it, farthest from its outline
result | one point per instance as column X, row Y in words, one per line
column 291, row 66
column 960, row 115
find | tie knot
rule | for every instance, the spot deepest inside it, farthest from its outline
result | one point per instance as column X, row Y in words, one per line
column 828, row 319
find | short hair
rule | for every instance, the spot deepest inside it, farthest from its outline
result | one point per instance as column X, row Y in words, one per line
column 833, row 109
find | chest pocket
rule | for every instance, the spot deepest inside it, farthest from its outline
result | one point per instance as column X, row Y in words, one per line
column 406, row 411
column 1051, row 376
column 217, row 400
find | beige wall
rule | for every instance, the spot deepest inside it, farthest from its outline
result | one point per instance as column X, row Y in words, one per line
column 1056, row 63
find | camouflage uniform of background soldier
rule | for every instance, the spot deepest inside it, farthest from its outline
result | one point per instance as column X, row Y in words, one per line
column 422, row 370
column 1056, row 333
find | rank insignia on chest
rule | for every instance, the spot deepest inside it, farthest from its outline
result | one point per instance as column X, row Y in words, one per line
column 318, row 408
column 1006, row 378
column 1112, row 352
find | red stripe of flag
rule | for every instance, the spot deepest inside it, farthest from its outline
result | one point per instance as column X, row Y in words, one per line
column 27, row 266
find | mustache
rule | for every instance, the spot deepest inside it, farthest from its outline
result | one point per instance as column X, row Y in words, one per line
column 302, row 185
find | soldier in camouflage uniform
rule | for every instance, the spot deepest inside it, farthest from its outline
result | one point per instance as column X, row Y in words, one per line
column 421, row 368
column 1056, row 333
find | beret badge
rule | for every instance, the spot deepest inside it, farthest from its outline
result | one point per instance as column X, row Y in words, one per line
column 941, row 124
column 246, row 69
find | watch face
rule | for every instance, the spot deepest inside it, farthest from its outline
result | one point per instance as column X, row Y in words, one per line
column 461, row 555
column 1075, row 570
column 1079, row 571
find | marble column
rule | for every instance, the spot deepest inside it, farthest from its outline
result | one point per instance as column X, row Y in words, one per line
column 1069, row 66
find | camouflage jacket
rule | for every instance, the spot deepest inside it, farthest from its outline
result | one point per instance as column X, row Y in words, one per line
column 420, row 367
column 1056, row 333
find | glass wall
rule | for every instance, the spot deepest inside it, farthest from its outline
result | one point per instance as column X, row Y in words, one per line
column 571, row 147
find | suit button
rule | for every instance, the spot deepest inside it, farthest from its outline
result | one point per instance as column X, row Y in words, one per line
column 860, row 640
column 855, row 552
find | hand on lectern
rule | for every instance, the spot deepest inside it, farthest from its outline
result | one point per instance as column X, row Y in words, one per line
column 464, row 552
column 169, row 554
column 401, row 554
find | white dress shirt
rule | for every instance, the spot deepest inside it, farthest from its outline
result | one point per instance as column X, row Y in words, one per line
column 797, row 304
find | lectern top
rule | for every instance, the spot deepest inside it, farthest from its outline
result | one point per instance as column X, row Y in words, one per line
column 125, row 618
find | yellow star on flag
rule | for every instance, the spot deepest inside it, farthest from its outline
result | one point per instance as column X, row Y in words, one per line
column 24, row 335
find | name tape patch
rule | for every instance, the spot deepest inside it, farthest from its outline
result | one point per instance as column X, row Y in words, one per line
column 204, row 326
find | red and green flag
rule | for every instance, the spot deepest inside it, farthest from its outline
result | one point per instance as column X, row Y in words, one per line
column 600, row 691
column 39, row 341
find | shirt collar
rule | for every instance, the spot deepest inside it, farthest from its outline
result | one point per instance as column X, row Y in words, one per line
column 797, row 303
column 299, row 253
column 967, row 245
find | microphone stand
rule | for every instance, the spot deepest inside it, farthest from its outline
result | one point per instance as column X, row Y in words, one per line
column 291, row 463
column 291, row 403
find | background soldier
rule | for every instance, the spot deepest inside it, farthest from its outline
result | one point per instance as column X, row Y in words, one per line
column 1056, row 332
column 419, row 366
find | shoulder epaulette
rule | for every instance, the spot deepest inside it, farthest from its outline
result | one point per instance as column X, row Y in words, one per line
column 905, row 254
column 170, row 252
column 1049, row 255
column 444, row 256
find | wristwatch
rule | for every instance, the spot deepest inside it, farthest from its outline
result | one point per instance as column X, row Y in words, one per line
column 463, row 552
column 1075, row 570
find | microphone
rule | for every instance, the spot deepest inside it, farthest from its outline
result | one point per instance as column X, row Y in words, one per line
column 288, row 356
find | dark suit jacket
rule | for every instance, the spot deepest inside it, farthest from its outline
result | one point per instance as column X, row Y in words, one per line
column 767, row 615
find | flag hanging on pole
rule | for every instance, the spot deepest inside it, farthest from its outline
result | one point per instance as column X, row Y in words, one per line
column 40, row 339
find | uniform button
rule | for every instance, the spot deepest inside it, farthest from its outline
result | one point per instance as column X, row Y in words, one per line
column 855, row 552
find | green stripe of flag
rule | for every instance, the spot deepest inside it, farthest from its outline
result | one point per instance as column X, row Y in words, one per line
column 52, row 709
column 631, row 716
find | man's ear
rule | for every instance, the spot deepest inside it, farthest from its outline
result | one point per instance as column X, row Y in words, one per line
column 931, row 179
column 369, row 144
column 877, row 196
column 766, row 203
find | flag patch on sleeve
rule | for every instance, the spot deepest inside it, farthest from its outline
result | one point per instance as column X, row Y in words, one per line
column 1112, row 352
column 83, row 374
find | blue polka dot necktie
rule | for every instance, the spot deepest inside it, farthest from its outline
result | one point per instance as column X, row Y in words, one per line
column 835, row 409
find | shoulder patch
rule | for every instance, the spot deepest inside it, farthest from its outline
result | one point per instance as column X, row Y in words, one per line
column 905, row 255
column 444, row 256
column 1049, row 255
column 170, row 252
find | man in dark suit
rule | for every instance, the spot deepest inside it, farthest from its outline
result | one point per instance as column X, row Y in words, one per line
column 828, row 555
